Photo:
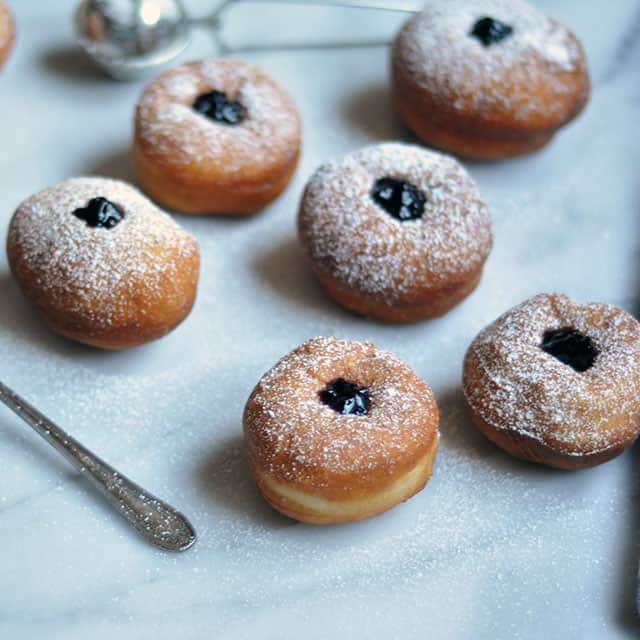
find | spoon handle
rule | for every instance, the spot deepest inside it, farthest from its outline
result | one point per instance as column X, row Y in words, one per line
column 155, row 520
column 383, row 5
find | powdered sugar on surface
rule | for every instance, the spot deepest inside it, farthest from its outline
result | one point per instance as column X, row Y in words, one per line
column 358, row 243
column 168, row 125
column 95, row 272
column 292, row 433
column 513, row 384
column 437, row 50
column 492, row 549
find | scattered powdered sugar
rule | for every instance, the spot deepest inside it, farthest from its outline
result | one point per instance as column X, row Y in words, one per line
column 95, row 273
column 512, row 384
column 350, row 237
column 297, row 437
column 436, row 49
column 168, row 125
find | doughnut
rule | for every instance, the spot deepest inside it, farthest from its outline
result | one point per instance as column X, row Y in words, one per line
column 557, row 382
column 395, row 232
column 216, row 136
column 487, row 79
column 101, row 264
column 7, row 33
column 339, row 431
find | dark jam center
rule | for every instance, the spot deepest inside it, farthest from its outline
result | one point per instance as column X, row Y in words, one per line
column 100, row 213
column 490, row 31
column 346, row 398
column 570, row 347
column 399, row 198
column 217, row 106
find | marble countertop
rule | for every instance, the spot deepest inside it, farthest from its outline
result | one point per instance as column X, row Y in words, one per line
column 493, row 548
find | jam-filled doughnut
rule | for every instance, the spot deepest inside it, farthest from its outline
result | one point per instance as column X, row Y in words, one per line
column 215, row 136
column 487, row 79
column 102, row 264
column 557, row 382
column 7, row 33
column 395, row 232
column 340, row 431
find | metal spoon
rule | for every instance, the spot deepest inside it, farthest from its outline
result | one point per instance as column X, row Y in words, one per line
column 152, row 518
column 129, row 38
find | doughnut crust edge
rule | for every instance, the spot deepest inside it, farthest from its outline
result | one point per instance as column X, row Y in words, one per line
column 540, row 409
column 111, row 288
column 194, row 164
column 317, row 465
column 499, row 100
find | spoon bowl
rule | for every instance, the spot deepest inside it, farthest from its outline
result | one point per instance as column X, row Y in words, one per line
column 129, row 38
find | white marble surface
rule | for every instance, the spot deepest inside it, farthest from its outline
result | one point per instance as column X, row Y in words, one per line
column 493, row 548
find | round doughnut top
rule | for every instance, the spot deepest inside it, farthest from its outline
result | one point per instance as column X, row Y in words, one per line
column 296, row 438
column 168, row 125
column 97, row 270
column 348, row 235
column 516, row 73
column 513, row 384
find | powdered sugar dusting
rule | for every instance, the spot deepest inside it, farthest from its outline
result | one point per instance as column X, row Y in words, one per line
column 436, row 48
column 168, row 125
column 512, row 384
column 92, row 272
column 296, row 437
column 357, row 242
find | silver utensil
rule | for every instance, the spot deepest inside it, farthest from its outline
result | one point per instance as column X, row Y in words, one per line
column 129, row 38
column 156, row 521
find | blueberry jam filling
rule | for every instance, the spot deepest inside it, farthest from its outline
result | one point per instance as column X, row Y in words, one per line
column 490, row 31
column 570, row 347
column 346, row 398
column 399, row 198
column 217, row 106
column 100, row 213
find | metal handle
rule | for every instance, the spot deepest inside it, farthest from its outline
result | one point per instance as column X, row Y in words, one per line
column 213, row 21
column 382, row 5
column 155, row 520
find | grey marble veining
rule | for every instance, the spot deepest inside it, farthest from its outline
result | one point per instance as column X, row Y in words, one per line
column 491, row 549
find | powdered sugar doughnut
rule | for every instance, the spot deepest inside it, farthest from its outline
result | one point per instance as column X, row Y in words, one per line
column 7, row 33
column 395, row 232
column 557, row 382
column 215, row 136
column 340, row 431
column 487, row 78
column 101, row 263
